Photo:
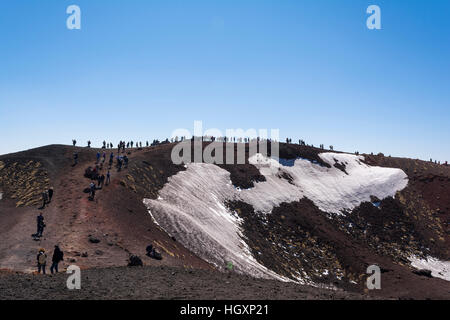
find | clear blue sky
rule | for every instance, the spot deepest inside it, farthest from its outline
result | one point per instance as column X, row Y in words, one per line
column 139, row 69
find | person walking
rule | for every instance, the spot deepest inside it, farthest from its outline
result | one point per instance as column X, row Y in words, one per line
column 108, row 178
column 41, row 260
column 58, row 256
column 92, row 189
column 44, row 199
column 40, row 225
column 50, row 194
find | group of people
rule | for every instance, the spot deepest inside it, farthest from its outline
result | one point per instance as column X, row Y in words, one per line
column 46, row 199
column 42, row 256
column 57, row 257
column 94, row 173
column 47, row 196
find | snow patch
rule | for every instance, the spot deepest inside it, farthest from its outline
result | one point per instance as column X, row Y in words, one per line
column 331, row 189
column 439, row 269
column 191, row 207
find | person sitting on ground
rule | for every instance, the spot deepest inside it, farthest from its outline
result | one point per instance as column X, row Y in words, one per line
column 152, row 253
column 58, row 256
column 41, row 260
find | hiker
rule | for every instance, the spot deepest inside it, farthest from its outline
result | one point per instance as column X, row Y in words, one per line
column 44, row 199
column 119, row 163
column 98, row 157
column 101, row 181
column 108, row 178
column 125, row 159
column 74, row 142
column 89, row 143
column 92, row 191
column 40, row 225
column 41, row 260
column 103, row 157
column 58, row 256
column 50, row 194
column 75, row 158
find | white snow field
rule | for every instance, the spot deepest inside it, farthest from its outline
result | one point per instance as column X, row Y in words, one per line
column 191, row 208
column 331, row 189
column 439, row 269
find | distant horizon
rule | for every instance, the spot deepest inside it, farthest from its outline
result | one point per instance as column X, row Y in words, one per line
column 310, row 68
column 99, row 146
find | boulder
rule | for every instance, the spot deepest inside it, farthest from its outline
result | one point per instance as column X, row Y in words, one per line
column 423, row 273
column 93, row 239
column 135, row 261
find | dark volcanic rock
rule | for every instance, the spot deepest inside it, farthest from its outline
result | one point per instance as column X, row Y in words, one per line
column 423, row 272
column 93, row 239
column 135, row 261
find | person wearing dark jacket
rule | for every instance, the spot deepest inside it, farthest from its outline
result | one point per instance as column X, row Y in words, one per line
column 44, row 199
column 58, row 256
column 40, row 225
column 50, row 194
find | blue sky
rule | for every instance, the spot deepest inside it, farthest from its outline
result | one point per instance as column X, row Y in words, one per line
column 139, row 69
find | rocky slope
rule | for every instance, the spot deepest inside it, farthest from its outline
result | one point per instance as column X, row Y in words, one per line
column 320, row 219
